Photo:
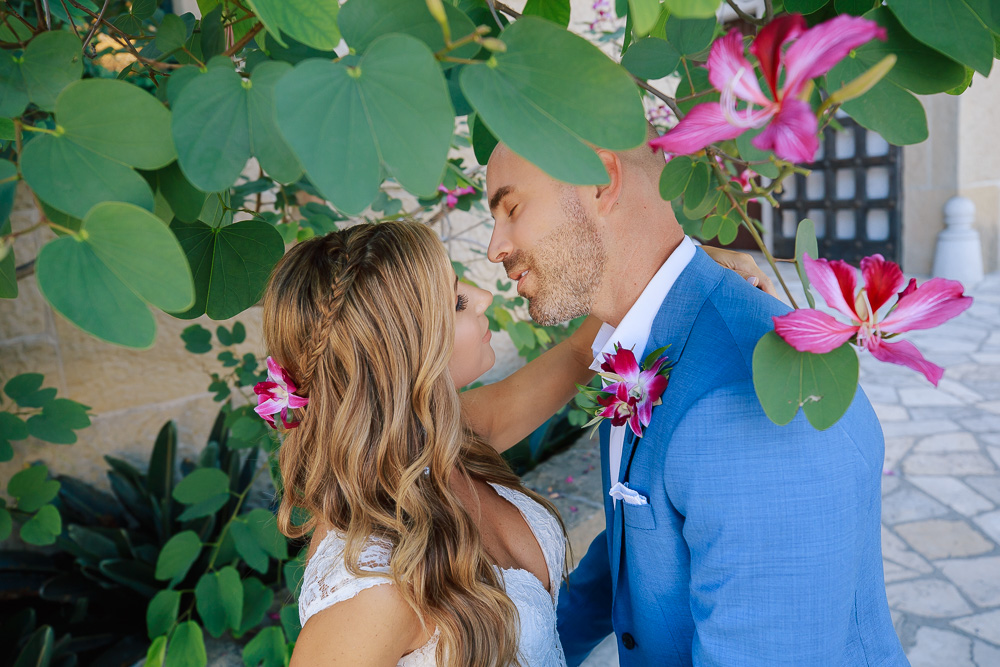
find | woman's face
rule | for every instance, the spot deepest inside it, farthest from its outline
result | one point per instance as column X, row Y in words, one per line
column 473, row 354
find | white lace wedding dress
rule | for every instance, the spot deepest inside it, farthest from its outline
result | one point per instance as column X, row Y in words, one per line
column 327, row 581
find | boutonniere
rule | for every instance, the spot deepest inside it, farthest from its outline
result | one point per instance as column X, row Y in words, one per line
column 630, row 391
column 277, row 396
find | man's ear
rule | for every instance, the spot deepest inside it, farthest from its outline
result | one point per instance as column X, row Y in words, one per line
column 607, row 195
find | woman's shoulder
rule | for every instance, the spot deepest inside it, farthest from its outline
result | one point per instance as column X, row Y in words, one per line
column 328, row 580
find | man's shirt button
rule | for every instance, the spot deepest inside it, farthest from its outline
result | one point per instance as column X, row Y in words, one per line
column 628, row 641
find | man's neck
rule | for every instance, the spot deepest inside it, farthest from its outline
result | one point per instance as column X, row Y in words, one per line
column 622, row 288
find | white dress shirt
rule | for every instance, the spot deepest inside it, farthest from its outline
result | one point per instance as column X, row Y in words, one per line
column 633, row 332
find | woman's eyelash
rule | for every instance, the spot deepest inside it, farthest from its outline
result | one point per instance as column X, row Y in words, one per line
column 463, row 301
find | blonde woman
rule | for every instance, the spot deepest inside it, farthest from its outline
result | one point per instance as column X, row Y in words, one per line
column 397, row 477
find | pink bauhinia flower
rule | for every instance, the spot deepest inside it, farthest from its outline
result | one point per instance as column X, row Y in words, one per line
column 933, row 303
column 277, row 395
column 791, row 124
column 644, row 387
column 452, row 195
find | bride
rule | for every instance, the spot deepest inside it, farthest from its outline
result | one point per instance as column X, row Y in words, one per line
column 396, row 476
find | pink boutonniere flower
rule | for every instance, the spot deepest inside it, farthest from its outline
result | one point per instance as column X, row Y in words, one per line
column 277, row 396
column 630, row 392
column 933, row 303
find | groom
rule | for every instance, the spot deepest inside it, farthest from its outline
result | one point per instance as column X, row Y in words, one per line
column 742, row 542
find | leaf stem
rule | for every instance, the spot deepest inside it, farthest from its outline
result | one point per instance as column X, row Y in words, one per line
column 753, row 20
column 244, row 40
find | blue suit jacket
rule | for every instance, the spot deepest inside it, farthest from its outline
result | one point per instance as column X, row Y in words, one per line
column 760, row 544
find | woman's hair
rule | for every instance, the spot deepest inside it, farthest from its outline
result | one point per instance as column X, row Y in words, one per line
column 363, row 320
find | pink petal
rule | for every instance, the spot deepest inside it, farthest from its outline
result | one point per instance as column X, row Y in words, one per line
column 273, row 370
column 933, row 303
column 703, row 125
column 645, row 411
column 270, row 420
column 269, row 407
column 836, row 282
column 635, row 424
column 910, row 288
column 809, row 330
column 882, row 280
column 906, row 354
column 265, row 388
column 624, row 364
column 823, row 46
column 655, row 387
column 297, row 401
column 727, row 68
column 792, row 133
column 767, row 46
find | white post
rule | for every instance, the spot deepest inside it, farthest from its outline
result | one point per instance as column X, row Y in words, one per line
column 959, row 254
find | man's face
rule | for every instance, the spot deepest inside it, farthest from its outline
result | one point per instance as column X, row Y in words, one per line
column 545, row 239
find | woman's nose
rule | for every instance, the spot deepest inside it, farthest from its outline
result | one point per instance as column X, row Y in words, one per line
column 485, row 299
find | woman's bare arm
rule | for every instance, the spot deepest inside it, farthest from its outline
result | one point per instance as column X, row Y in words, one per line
column 505, row 412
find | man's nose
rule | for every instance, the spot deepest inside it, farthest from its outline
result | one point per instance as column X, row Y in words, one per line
column 500, row 245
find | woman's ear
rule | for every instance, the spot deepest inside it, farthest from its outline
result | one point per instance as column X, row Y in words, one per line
column 607, row 195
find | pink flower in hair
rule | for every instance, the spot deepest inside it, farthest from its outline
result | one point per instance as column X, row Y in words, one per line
column 277, row 395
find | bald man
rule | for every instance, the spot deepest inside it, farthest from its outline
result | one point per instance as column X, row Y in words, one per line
column 729, row 540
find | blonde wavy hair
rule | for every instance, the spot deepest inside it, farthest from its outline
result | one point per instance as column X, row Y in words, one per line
column 364, row 321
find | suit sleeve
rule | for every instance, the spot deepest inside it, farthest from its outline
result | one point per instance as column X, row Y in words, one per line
column 584, row 614
column 776, row 518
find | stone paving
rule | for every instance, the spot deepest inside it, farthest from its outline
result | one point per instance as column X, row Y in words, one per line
column 941, row 490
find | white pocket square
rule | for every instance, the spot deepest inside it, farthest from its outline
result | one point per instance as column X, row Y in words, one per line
column 628, row 496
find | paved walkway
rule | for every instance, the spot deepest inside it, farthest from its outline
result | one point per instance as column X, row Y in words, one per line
column 941, row 491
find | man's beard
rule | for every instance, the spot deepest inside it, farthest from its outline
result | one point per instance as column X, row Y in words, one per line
column 567, row 266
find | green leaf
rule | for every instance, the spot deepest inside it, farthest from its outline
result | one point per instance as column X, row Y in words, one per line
column 805, row 242
column 268, row 648
column 257, row 599
column 690, row 36
column 364, row 21
column 557, row 11
column 651, row 58
column 749, row 152
column 918, row 68
column 157, row 652
column 230, row 264
column 32, row 488
column 728, row 231
column 804, row 6
column 187, row 647
column 822, row 384
column 135, row 574
column 43, row 528
column 162, row 612
column 698, row 188
column 57, row 421
column 988, row 12
column 951, row 27
column 177, row 556
column 293, row 572
column 854, row 7
column 6, row 524
column 267, row 143
column 7, row 132
column 197, row 339
column 675, row 177
column 550, row 95
column 202, row 484
column 483, row 140
column 239, row 333
column 346, row 124
column 172, row 34
column 219, row 598
column 887, row 109
column 290, row 621
column 144, row 9
column 695, row 89
column 693, row 9
column 102, row 280
column 643, row 14
column 12, row 427
column 312, row 22
column 52, row 61
column 711, row 227
column 26, row 388
column 8, row 267
column 264, row 527
column 204, row 508
column 247, row 545
column 38, row 650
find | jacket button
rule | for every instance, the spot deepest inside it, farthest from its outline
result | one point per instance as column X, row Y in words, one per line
column 628, row 641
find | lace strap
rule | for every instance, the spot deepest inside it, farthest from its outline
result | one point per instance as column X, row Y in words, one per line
column 327, row 581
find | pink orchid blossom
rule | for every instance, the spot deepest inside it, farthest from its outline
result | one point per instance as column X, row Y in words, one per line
column 933, row 303
column 277, row 395
column 620, row 408
column 643, row 387
column 791, row 124
column 452, row 195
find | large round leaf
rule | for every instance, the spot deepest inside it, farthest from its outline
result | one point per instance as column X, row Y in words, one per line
column 551, row 92
column 918, row 68
column 689, row 36
column 219, row 598
column 52, row 61
column 392, row 111
column 101, row 279
column 823, row 385
column 951, row 27
column 312, row 22
column 651, row 58
column 364, row 21
column 186, row 201
column 177, row 556
column 887, row 109
column 266, row 142
column 230, row 264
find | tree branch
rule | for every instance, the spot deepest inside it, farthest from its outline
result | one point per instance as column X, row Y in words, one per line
column 513, row 13
column 119, row 36
column 93, row 28
column 753, row 20
column 244, row 40
column 669, row 101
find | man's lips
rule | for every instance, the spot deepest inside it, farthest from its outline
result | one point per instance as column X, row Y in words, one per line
column 519, row 276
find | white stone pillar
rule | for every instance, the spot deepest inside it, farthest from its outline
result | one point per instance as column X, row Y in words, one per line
column 959, row 254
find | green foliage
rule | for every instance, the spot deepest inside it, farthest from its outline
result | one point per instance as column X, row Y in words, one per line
column 651, row 58
column 37, row 412
column 951, row 27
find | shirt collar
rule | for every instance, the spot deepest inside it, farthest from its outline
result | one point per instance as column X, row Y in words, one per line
column 633, row 330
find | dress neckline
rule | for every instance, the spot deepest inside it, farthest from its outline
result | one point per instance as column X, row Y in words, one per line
column 502, row 491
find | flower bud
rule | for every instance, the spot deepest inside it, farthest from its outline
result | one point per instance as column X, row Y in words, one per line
column 494, row 44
